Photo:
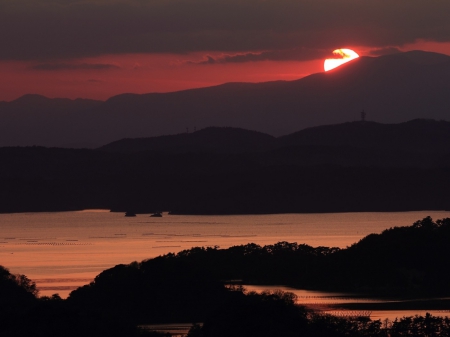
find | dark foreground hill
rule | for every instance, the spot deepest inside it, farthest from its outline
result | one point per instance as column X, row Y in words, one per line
column 392, row 89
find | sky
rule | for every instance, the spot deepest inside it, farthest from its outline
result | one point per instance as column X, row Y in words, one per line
column 100, row 48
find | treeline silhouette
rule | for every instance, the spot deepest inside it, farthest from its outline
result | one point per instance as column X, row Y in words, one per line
column 232, row 171
column 192, row 286
column 406, row 261
column 23, row 314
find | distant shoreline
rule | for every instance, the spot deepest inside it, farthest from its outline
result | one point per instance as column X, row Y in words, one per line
column 166, row 213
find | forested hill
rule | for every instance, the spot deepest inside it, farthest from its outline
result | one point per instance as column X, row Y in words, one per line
column 415, row 136
column 208, row 140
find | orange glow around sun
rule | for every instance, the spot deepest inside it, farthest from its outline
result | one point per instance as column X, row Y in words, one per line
column 341, row 56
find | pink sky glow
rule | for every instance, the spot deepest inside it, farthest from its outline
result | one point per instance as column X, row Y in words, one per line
column 104, row 76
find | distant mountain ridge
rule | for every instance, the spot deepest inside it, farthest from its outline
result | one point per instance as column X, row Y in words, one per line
column 38, row 120
column 391, row 89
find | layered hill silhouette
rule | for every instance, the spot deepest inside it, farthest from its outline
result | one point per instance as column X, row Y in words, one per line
column 391, row 89
column 357, row 166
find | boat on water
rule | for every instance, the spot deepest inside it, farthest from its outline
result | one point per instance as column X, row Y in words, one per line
column 130, row 213
column 156, row 215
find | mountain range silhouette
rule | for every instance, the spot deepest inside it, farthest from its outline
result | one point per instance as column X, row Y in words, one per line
column 391, row 89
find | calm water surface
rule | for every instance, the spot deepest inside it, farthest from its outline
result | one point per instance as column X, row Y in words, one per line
column 321, row 300
column 62, row 251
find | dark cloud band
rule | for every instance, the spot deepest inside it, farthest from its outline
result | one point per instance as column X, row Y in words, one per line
column 295, row 54
column 69, row 66
column 56, row 29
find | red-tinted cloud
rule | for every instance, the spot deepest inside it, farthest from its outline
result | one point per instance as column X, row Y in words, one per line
column 73, row 66
column 384, row 51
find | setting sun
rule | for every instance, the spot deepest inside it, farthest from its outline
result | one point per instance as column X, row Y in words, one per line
column 341, row 56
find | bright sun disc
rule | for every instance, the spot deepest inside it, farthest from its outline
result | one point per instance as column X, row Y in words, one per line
column 342, row 56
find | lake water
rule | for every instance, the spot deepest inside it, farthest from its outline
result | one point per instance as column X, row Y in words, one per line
column 62, row 251
column 329, row 303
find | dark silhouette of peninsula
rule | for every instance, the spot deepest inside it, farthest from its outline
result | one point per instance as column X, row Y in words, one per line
column 358, row 166
column 392, row 89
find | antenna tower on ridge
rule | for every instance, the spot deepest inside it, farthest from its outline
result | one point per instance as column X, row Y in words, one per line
column 363, row 116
